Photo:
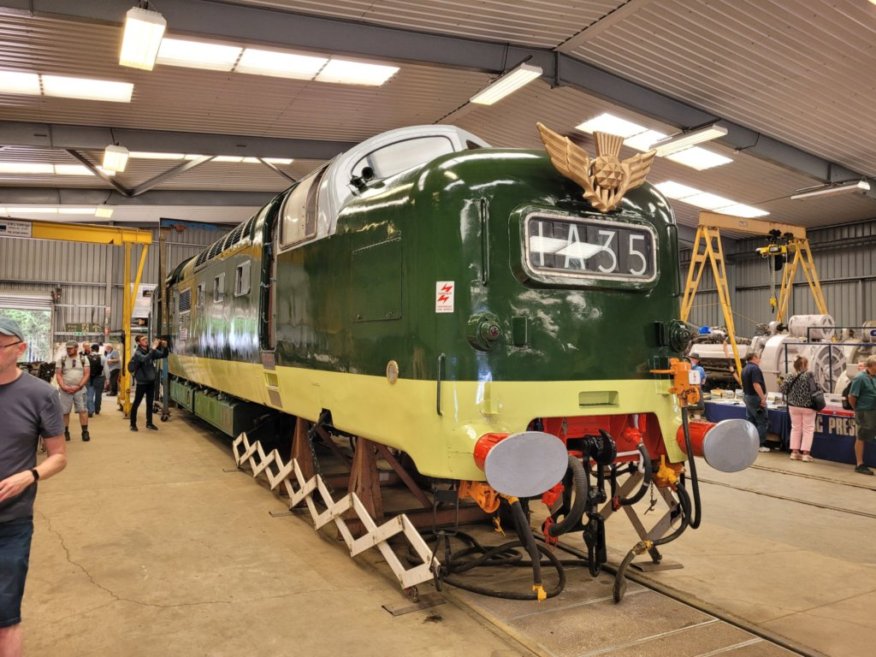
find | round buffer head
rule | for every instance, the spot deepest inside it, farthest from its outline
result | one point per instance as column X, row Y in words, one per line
column 731, row 445
column 526, row 464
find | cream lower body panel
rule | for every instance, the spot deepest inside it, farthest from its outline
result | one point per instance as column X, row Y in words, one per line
column 404, row 415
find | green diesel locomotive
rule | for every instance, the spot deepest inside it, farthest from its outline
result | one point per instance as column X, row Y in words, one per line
column 465, row 305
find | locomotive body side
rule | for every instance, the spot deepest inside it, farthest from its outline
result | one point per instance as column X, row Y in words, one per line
column 428, row 318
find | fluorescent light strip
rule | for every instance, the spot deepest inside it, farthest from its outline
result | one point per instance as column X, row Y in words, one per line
column 507, row 84
column 684, row 140
column 613, row 125
column 87, row 88
column 279, row 64
column 707, row 201
column 12, row 82
column 141, row 38
column 642, row 139
column 103, row 212
column 342, row 71
column 198, row 54
column 90, row 211
column 144, row 155
column 698, row 158
column 72, row 170
column 850, row 187
column 26, row 167
column 290, row 65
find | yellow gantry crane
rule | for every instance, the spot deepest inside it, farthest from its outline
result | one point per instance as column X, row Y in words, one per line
column 707, row 248
column 127, row 237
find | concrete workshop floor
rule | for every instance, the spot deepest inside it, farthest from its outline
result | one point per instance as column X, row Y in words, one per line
column 145, row 545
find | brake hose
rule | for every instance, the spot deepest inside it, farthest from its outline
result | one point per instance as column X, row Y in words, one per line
column 581, row 485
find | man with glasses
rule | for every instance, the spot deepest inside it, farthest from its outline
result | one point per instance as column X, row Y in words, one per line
column 30, row 410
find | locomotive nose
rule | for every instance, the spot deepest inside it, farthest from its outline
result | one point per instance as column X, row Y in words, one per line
column 523, row 464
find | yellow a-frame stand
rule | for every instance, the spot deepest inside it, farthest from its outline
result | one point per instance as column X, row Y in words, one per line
column 707, row 248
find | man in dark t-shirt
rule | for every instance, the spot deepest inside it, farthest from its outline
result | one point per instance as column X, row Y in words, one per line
column 30, row 409
column 755, row 395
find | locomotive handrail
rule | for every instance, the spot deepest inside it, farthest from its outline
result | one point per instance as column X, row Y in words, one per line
column 441, row 358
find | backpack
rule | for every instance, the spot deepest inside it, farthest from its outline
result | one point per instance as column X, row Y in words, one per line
column 81, row 360
column 845, row 394
column 95, row 365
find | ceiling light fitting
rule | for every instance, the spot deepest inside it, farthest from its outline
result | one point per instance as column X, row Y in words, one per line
column 859, row 186
column 115, row 158
column 141, row 40
column 688, row 138
column 507, row 84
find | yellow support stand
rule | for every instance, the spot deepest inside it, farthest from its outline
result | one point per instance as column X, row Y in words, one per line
column 707, row 248
column 802, row 258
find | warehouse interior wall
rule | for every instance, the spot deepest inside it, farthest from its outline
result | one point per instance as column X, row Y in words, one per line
column 85, row 281
column 844, row 259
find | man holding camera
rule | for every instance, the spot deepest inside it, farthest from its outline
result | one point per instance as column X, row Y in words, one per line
column 142, row 366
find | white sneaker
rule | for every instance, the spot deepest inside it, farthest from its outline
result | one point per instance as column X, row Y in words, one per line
column 807, row 458
column 763, row 449
column 795, row 456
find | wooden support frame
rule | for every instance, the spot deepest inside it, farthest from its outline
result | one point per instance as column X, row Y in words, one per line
column 310, row 489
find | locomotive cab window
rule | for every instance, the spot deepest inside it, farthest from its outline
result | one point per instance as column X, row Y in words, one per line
column 185, row 300
column 219, row 288
column 300, row 212
column 400, row 156
column 241, row 279
column 202, row 291
column 568, row 248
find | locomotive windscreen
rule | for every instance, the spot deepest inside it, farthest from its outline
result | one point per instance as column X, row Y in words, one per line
column 591, row 248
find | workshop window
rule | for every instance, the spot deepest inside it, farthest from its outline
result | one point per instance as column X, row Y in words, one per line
column 219, row 288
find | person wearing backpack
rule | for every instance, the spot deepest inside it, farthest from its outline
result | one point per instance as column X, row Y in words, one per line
column 798, row 389
column 862, row 398
column 142, row 366
column 72, row 372
column 97, row 380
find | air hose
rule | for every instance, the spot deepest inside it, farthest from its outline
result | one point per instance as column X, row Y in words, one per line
column 694, row 480
column 620, row 584
column 581, row 485
column 646, row 481
column 524, row 532
column 500, row 556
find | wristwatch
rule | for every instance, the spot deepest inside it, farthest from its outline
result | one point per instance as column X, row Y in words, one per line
column 36, row 474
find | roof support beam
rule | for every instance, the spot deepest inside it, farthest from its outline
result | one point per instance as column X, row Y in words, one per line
column 87, row 197
column 77, row 137
column 256, row 24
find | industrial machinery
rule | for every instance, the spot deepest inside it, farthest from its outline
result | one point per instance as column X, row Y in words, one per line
column 470, row 317
column 808, row 336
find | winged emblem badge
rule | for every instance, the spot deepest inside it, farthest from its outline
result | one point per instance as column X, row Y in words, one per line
column 604, row 179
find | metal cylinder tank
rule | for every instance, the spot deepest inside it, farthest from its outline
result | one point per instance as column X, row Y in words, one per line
column 811, row 327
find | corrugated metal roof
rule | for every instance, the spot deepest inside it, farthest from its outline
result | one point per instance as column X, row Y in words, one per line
column 796, row 71
column 801, row 72
column 525, row 22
